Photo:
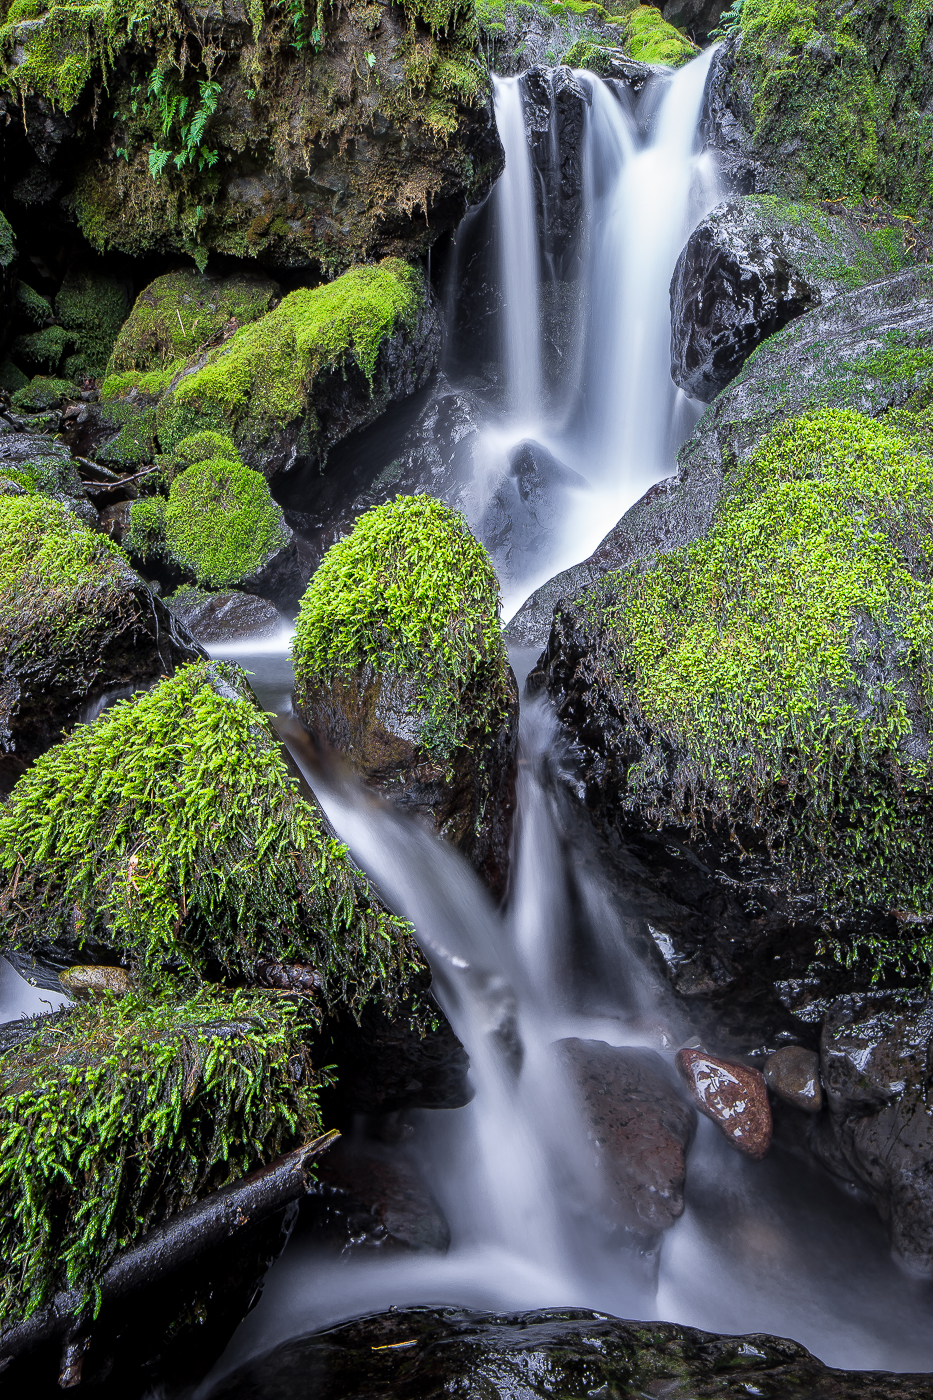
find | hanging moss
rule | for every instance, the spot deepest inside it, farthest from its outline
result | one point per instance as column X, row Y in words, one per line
column 777, row 675
column 839, row 97
column 171, row 831
column 92, row 306
column 410, row 592
column 118, row 1114
column 179, row 313
column 44, row 349
column 264, row 377
column 649, row 38
column 30, row 307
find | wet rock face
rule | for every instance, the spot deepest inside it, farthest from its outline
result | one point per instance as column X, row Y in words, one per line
column 641, row 1127
column 793, row 1073
column 734, row 1096
column 224, row 617
column 698, row 18
column 368, row 1198
column 875, row 1060
column 555, row 106
column 527, row 508
column 414, row 1353
column 753, row 265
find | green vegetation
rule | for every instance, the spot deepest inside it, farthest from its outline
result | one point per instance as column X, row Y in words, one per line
column 176, row 316
column 649, row 38
column 858, row 245
column 7, row 243
column 30, row 307
column 409, row 592
column 41, row 393
column 135, row 426
column 93, row 307
column 118, row 1114
column 151, row 385
column 777, row 674
column 264, row 376
column 44, row 349
column 840, row 96
column 171, row 831
column 12, row 378
column 46, row 474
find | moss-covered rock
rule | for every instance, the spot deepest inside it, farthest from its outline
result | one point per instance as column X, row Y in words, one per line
column 830, row 102
column 518, row 34
column 767, row 692
column 305, row 138
column 220, row 527
column 12, row 378
column 43, row 392
column 175, row 317
column 171, row 831
column 325, row 361
column 117, row 1115
column 648, row 38
column 400, row 664
column 30, row 307
column 91, row 306
column 37, row 465
column 75, row 623
column 43, row 350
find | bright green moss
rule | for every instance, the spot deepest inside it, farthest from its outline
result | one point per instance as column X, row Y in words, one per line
column 55, row 52
column 588, row 53
column 93, row 307
column 649, row 38
column 171, row 830
column 266, row 372
column 42, row 392
column 201, row 446
column 145, row 538
column 181, row 312
column 114, row 1116
column 410, row 592
column 778, row 673
column 152, row 383
column 221, row 524
column 840, row 96
column 50, row 475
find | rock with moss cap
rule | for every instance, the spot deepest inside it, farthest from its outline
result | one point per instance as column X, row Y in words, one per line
column 306, row 141
column 649, row 38
column 76, row 624
column 171, row 834
column 826, row 101
column 36, row 464
column 400, row 665
column 219, row 527
column 327, row 360
column 761, row 700
column 116, row 1116
column 754, row 264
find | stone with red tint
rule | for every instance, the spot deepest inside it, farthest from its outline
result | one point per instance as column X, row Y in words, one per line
column 734, row 1096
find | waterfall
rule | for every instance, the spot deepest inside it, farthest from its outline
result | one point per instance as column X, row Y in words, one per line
column 518, row 258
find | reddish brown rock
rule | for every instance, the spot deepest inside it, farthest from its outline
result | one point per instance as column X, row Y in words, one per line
column 734, row 1096
column 641, row 1126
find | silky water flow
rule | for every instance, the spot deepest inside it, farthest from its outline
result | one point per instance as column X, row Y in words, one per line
column 772, row 1247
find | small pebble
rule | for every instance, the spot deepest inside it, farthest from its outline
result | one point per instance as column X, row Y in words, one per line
column 793, row 1073
column 734, row 1096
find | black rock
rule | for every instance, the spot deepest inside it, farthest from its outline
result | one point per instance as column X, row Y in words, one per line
column 224, row 617
column 369, row 1197
column 526, row 508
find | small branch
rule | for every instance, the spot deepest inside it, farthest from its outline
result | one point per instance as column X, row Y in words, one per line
column 123, row 480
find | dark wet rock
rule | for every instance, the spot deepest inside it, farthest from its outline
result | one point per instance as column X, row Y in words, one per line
column 212, row 618
column 698, row 18
column 115, row 520
column 527, row 508
column 415, row 1353
column 754, row 264
column 875, row 1060
column 733, row 1095
column 369, row 1197
column 641, row 1128
column 522, row 37
column 793, row 1073
column 555, row 106
column 41, row 463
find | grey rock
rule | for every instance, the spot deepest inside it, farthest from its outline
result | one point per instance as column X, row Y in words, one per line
column 875, row 1059
column 751, row 266
column 224, row 617
column 793, row 1073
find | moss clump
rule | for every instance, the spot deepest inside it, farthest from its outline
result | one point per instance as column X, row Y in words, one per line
column 181, row 312
column 840, row 96
column 56, row 54
column 264, row 376
column 43, row 393
column 45, row 551
column 221, row 524
column 145, row 538
column 7, row 243
column 30, row 307
column 151, row 384
column 171, row 831
column 590, row 54
column 649, row 38
column 93, row 307
column 198, row 447
column 12, row 378
column 43, row 350
column 410, row 592
column 47, row 475
column 777, row 675
column 114, row 1116
column 134, row 425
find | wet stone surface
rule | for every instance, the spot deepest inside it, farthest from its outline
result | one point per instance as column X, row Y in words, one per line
column 793, row 1073
column 734, row 1096
column 369, row 1197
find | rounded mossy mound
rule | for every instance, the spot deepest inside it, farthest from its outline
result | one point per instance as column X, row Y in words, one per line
column 115, row 1115
column 409, row 594
column 270, row 375
column 171, row 832
column 836, row 99
column 178, row 315
column 647, row 37
column 773, row 683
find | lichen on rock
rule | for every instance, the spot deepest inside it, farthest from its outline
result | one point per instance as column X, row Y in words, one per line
column 171, row 831
column 116, row 1115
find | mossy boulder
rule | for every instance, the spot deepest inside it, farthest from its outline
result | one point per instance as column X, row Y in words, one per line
column 43, row 350
column 76, row 623
column 764, row 696
column 115, row 1116
column 517, row 35
column 171, row 832
column 325, row 361
column 176, row 316
column 31, row 464
column 821, row 101
column 219, row 527
column 400, row 665
column 302, row 140
column 754, row 264
column 648, row 38
column 91, row 306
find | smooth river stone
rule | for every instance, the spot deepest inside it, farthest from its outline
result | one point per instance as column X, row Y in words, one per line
column 641, row 1126
column 793, row 1073
column 734, row 1096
